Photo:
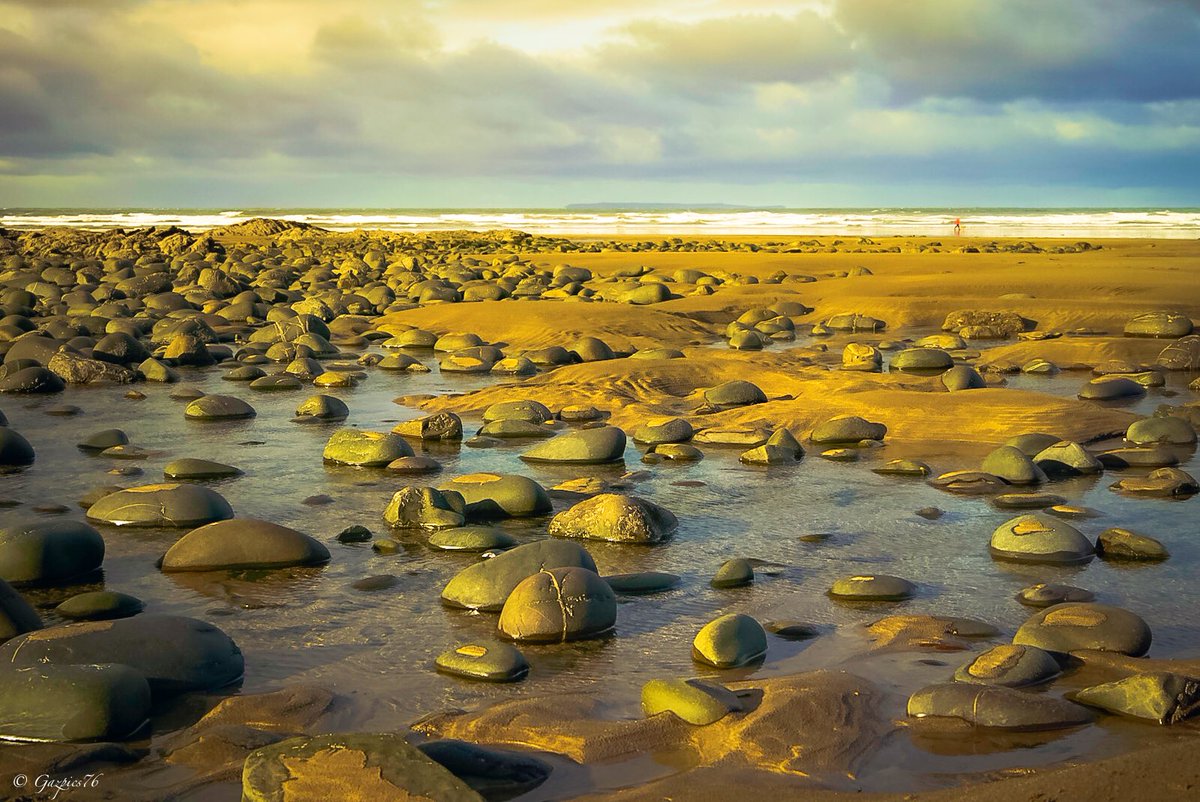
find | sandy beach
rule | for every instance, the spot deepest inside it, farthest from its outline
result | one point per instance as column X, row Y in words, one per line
column 314, row 460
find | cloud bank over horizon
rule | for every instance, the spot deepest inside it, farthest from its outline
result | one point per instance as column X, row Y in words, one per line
column 539, row 103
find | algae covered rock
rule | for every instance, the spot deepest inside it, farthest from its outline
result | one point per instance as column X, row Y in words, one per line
column 695, row 701
column 365, row 449
column 873, row 587
column 496, row 495
column 1037, row 538
column 730, row 641
column 1158, row 696
column 847, row 429
column 1011, row 666
column 584, row 447
column 494, row 662
column 422, row 508
column 615, row 518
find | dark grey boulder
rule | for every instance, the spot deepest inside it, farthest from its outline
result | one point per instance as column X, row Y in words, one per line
column 995, row 707
column 243, row 543
column 105, row 702
column 49, row 552
column 1073, row 626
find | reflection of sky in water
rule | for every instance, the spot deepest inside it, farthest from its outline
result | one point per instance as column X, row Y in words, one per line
column 309, row 625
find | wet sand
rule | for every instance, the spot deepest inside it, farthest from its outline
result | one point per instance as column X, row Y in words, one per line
column 581, row 710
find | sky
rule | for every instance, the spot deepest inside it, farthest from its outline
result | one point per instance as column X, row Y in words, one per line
column 520, row 103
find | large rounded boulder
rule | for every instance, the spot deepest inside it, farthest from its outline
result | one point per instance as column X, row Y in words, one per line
column 559, row 604
column 365, row 449
column 49, row 552
column 1040, row 538
column 105, row 702
column 615, row 518
column 995, row 707
column 1168, row 325
column 736, row 393
column 219, row 407
column 15, row 451
column 174, row 654
column 730, row 641
column 243, row 543
column 173, row 505
column 584, row 447
column 1070, row 627
column 497, row 495
column 485, row 585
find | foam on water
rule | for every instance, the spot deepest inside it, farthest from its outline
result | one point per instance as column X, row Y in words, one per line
column 1157, row 223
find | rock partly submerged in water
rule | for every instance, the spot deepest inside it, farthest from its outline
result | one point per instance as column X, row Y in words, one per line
column 486, row 585
column 1072, row 626
column 243, row 543
column 615, row 518
column 1039, row 538
column 174, row 505
column 730, row 641
column 995, row 707
column 49, row 552
column 559, row 604
column 104, row 702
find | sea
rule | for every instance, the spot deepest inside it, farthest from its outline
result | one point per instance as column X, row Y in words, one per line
column 634, row 220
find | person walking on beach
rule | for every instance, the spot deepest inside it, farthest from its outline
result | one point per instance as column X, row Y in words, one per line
column 957, row 226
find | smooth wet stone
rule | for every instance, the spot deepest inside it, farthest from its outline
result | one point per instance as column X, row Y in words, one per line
column 847, row 429
column 1027, row 501
column 669, row 430
column 1154, row 456
column 486, row 585
column 174, row 653
column 903, row 467
column 495, row 495
column 1037, row 538
column 735, row 393
column 1159, row 696
column 1013, row 466
column 1010, row 666
column 32, row 380
column 1066, row 458
column 381, row 767
column 615, row 518
column 929, row 513
column 15, row 450
column 579, row 413
column 99, row 441
column 1031, row 443
column 1040, row 367
column 1111, row 388
column 861, row 356
column 744, row 436
column 1046, row 594
column 584, row 447
column 674, row 452
column 365, row 449
column 730, row 641
column 105, row 702
column 471, row 538
column 922, row 359
column 840, row 455
column 527, row 410
column 323, row 408
column 370, row 584
column 494, row 662
column 417, row 507
column 644, row 583
column 1183, row 354
column 182, row 505
column 100, row 605
column 791, row 630
column 49, row 552
column 153, row 370
column 1074, row 511
column 515, row 429
column 875, row 587
column 746, row 340
column 1173, row 430
column 1160, row 483
column 1073, row 626
column 782, row 448
column 414, row 466
column 243, row 543
column 354, row 534
column 695, row 701
column 996, row 707
column 16, row 614
column 557, row 605
column 733, row 573
column 191, row 468
column 442, row 426
column 129, row 452
column 280, row 382
column 244, row 373
column 497, row 774
column 1122, row 544
column 1171, row 325
column 219, row 407
column 854, row 322
column 187, row 394
column 514, row 366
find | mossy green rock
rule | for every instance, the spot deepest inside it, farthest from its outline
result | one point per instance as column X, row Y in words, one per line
column 1013, row 466
column 872, row 587
column 323, row 407
column 695, row 701
column 191, row 468
column 181, row 505
column 733, row 573
column 218, row 407
column 599, row 445
column 497, row 495
column 557, row 605
column 174, row 654
column 16, row 614
column 1073, row 626
column 730, row 641
column 486, row 584
column 1159, row 696
column 442, row 426
column 1122, row 544
column 996, row 707
column 49, row 552
column 106, row 702
column 417, row 507
column 615, row 518
column 365, row 449
column 494, row 662
column 99, row 605
column 243, row 543
column 1038, row 538
column 471, row 538
column 381, row 767
column 1011, row 666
